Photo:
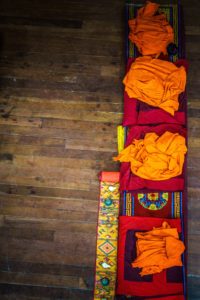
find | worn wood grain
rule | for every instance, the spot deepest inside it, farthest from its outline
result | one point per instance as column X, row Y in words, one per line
column 61, row 66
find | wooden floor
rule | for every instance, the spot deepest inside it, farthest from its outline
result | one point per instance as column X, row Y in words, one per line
column 61, row 65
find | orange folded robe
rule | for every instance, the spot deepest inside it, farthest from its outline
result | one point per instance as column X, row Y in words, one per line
column 155, row 157
column 150, row 31
column 158, row 249
column 156, row 82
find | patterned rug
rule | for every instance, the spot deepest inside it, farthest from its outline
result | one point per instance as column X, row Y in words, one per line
column 153, row 204
column 107, row 237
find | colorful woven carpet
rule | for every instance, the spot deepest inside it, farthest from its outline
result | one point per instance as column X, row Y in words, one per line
column 107, row 236
column 153, row 204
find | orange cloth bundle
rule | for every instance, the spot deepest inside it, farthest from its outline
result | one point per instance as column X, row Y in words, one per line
column 156, row 82
column 158, row 249
column 155, row 157
column 150, row 31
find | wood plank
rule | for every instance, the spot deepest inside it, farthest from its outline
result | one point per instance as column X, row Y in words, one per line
column 63, row 27
column 62, row 94
column 63, row 133
column 53, row 269
column 42, row 182
column 66, row 73
column 64, row 162
column 58, row 43
column 24, row 233
column 61, row 68
column 71, row 110
column 44, row 213
column 61, row 204
column 33, row 146
column 15, row 189
column 193, row 288
column 81, row 252
column 7, row 119
column 48, row 293
column 43, row 280
column 20, row 297
column 71, row 83
column 60, row 225
column 74, row 102
column 25, row 59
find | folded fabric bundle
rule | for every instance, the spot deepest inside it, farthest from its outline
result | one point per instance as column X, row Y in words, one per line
column 130, row 181
column 156, row 82
column 158, row 249
column 156, row 157
column 138, row 112
column 129, row 280
column 150, row 31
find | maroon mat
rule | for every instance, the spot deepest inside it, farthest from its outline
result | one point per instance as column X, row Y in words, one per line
column 130, row 182
column 138, row 112
column 130, row 282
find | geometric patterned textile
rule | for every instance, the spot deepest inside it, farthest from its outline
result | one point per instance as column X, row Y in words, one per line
column 153, row 204
column 150, row 204
column 107, row 236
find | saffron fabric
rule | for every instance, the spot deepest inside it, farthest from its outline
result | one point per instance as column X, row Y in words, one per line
column 129, row 181
column 158, row 249
column 138, row 112
column 150, row 31
column 156, row 82
column 156, row 157
column 129, row 280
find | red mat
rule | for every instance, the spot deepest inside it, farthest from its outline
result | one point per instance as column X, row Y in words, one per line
column 130, row 182
column 168, row 282
column 137, row 112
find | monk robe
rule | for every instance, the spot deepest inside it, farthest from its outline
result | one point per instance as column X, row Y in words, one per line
column 158, row 249
column 156, row 82
column 155, row 157
column 150, row 31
